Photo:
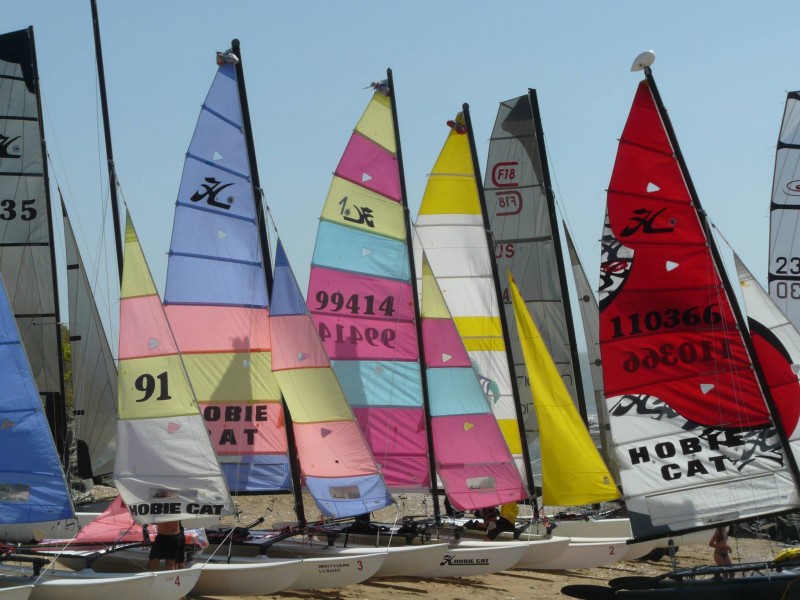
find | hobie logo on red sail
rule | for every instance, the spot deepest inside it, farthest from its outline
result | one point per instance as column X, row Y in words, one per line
column 504, row 174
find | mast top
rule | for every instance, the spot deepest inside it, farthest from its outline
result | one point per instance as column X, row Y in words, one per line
column 643, row 61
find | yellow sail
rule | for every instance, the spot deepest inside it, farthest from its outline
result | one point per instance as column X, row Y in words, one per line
column 573, row 472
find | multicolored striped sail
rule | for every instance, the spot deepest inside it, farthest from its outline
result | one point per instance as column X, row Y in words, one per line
column 361, row 298
column 335, row 461
column 216, row 276
column 33, row 487
column 694, row 437
column 472, row 458
column 575, row 476
column 27, row 257
column 165, row 467
column 452, row 232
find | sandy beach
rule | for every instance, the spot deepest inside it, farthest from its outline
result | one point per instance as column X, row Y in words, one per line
column 511, row 584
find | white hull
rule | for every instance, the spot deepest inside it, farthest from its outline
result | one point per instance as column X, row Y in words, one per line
column 542, row 551
column 16, row 591
column 400, row 561
column 588, row 553
column 256, row 576
column 68, row 585
column 324, row 573
column 172, row 585
column 467, row 558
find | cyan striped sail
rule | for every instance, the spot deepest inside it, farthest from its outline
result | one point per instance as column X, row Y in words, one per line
column 216, row 298
column 32, row 484
column 472, row 458
column 165, row 467
column 335, row 462
column 361, row 298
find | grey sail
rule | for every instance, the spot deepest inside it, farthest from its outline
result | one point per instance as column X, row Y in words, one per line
column 784, row 244
column 590, row 317
column 27, row 260
column 521, row 212
column 94, row 374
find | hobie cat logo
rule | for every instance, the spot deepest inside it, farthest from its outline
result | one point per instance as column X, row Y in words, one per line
column 793, row 188
column 211, row 190
column 7, row 147
column 644, row 220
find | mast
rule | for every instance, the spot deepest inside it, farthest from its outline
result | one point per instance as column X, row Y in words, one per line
column 740, row 321
column 418, row 321
column 55, row 403
column 265, row 257
column 503, row 322
column 112, row 173
column 562, row 276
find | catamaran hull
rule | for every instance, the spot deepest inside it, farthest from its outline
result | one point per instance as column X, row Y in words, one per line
column 587, row 553
column 17, row 592
column 91, row 586
column 256, row 576
column 324, row 573
column 755, row 587
column 468, row 558
column 543, row 551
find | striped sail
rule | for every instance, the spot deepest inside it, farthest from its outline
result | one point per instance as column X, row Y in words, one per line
column 521, row 211
column 26, row 229
column 360, row 296
column 590, row 316
column 33, row 487
column 471, row 455
column 335, row 462
column 165, row 467
column 784, row 221
column 94, row 374
column 216, row 276
column 453, row 235
column 579, row 475
column 694, row 439
column 777, row 344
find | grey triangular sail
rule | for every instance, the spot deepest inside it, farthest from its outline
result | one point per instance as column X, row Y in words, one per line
column 590, row 316
column 94, row 374
column 27, row 261
column 521, row 214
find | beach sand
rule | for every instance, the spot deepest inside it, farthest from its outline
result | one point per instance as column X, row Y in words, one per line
column 505, row 585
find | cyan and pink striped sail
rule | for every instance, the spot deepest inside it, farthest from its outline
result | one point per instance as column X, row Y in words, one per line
column 216, row 298
column 472, row 457
column 335, row 462
column 361, row 299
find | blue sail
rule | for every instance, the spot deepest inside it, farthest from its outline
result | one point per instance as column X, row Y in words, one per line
column 33, row 487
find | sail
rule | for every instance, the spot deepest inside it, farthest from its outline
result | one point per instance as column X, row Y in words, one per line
column 694, row 437
column 335, row 461
column 579, row 475
column 521, row 211
column 216, row 276
column 590, row 316
column 33, row 487
column 784, row 216
column 472, row 458
column 777, row 344
column 361, row 298
column 453, row 235
column 165, row 469
column 27, row 261
column 94, row 374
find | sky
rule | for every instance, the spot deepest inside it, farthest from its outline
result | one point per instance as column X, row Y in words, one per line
column 722, row 68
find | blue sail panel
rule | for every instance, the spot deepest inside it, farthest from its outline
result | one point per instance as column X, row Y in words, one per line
column 347, row 249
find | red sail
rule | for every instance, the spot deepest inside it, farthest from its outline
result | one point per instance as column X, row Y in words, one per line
column 667, row 328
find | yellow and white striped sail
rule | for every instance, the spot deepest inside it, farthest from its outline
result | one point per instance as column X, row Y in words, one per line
column 452, row 233
column 165, row 466
column 573, row 472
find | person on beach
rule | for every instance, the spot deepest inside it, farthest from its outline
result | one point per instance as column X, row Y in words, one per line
column 168, row 546
column 506, row 520
column 722, row 551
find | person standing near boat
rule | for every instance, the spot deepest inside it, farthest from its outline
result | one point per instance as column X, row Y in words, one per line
column 722, row 551
column 506, row 520
column 168, row 546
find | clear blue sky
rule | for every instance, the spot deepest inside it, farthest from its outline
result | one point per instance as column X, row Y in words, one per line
column 723, row 68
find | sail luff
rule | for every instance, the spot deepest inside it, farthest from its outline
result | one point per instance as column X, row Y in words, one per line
column 112, row 170
column 27, row 253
